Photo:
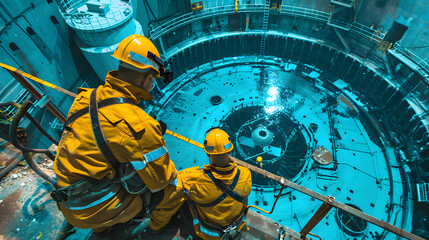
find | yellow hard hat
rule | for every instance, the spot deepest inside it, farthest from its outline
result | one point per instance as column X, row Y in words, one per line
column 217, row 142
column 136, row 52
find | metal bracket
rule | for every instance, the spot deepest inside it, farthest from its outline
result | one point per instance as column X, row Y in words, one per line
column 42, row 102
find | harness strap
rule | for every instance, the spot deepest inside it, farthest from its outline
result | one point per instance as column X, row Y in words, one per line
column 82, row 187
column 211, row 229
column 62, row 194
column 227, row 190
column 101, row 104
column 98, row 134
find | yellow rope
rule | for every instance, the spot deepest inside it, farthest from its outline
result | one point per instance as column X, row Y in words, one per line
column 176, row 135
column 36, row 79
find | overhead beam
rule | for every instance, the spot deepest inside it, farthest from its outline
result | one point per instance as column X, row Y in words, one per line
column 342, row 39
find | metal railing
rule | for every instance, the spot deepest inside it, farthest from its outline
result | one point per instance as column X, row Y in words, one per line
column 68, row 6
column 7, row 113
column 205, row 13
column 305, row 13
column 415, row 62
column 345, row 3
column 365, row 31
column 294, row 11
column 421, row 65
column 76, row 15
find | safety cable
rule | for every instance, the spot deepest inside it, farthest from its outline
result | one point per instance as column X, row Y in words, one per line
column 183, row 138
column 13, row 131
column 314, row 235
column 38, row 80
column 274, row 204
column 369, row 175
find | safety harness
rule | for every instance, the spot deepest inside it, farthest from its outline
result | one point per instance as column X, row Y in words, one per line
column 207, row 228
column 90, row 192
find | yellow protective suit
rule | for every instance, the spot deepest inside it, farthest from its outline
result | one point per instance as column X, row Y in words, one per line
column 195, row 185
column 130, row 134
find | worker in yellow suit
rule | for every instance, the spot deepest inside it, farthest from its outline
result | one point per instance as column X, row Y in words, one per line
column 112, row 157
column 216, row 193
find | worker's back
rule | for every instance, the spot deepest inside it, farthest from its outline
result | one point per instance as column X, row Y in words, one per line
column 125, row 127
column 214, row 207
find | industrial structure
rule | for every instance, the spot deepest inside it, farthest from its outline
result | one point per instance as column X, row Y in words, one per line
column 332, row 94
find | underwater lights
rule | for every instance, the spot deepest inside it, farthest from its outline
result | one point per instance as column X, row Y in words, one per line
column 276, row 138
column 262, row 137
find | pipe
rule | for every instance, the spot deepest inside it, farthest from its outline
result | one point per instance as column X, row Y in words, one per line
column 43, row 131
column 7, row 104
column 17, row 160
column 27, row 157
column 274, row 204
column 14, row 129
column 33, row 165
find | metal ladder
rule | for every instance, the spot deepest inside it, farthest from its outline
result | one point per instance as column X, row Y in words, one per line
column 265, row 26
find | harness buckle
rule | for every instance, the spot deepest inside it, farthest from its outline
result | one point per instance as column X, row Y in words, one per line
column 59, row 196
column 230, row 228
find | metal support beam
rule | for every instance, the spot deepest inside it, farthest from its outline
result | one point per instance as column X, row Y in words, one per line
column 33, row 91
column 317, row 217
column 247, row 22
column 342, row 39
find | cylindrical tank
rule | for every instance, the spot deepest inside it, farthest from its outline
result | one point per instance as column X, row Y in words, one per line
column 99, row 27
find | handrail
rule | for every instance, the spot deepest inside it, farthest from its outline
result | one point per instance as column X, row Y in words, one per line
column 67, row 6
column 13, row 132
column 205, row 13
column 328, row 201
column 360, row 29
column 88, row 21
column 415, row 62
column 370, row 33
column 36, row 79
column 421, row 65
column 313, row 14
column 18, row 75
